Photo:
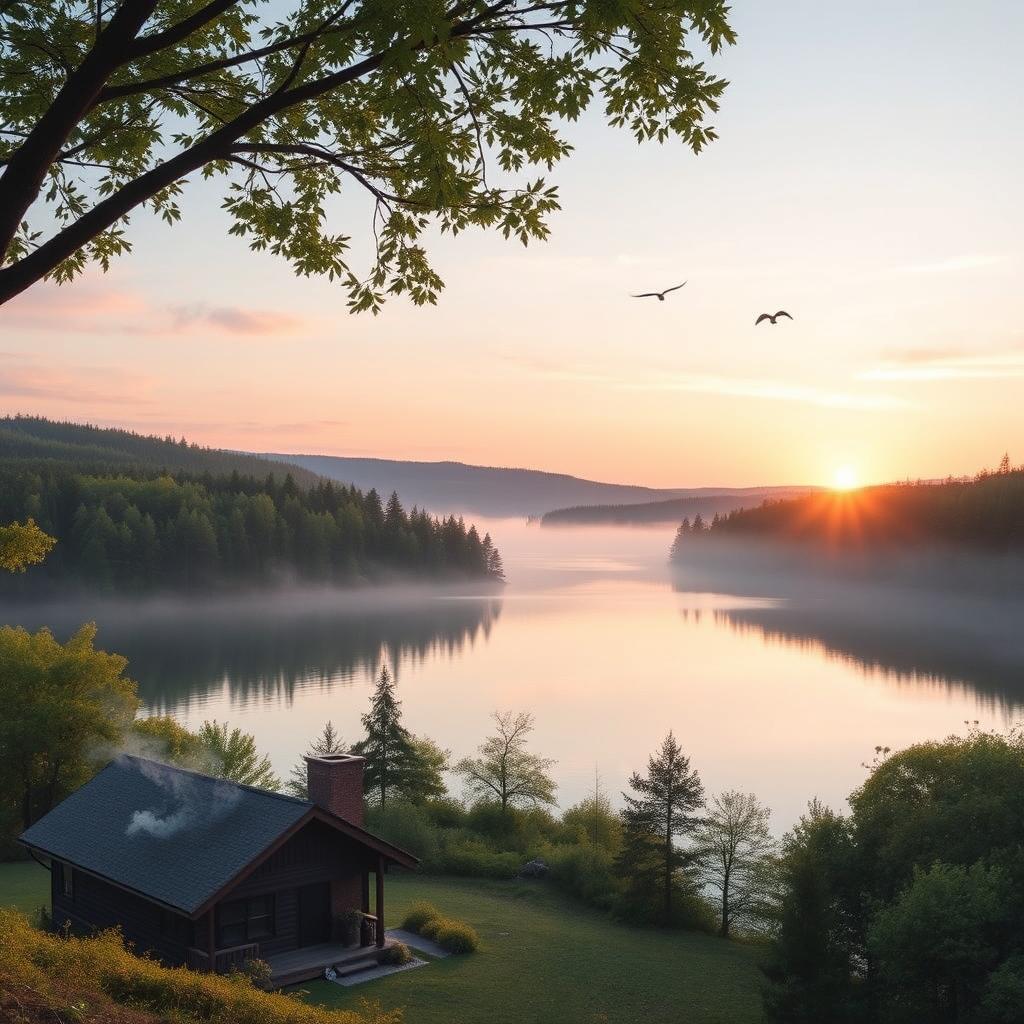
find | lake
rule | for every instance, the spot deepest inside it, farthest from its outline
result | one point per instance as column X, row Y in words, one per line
column 597, row 638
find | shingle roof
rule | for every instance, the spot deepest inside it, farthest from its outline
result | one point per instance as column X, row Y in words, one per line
column 172, row 835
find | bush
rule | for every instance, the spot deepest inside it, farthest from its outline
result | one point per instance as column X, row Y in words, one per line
column 419, row 914
column 431, row 927
column 349, row 927
column 457, row 936
column 586, row 872
column 445, row 812
column 465, row 855
column 394, row 955
column 101, row 981
column 407, row 826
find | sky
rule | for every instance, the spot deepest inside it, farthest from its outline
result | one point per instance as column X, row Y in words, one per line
column 866, row 179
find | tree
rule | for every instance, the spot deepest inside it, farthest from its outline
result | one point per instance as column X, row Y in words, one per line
column 420, row 105
column 659, row 813
column 163, row 738
column 392, row 760
column 427, row 782
column 679, row 541
column 593, row 821
column 22, row 545
column 505, row 770
column 64, row 707
column 328, row 742
column 733, row 847
column 233, row 755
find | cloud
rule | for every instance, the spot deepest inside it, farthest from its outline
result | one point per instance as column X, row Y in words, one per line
column 929, row 365
column 973, row 261
column 235, row 320
column 92, row 307
column 25, row 377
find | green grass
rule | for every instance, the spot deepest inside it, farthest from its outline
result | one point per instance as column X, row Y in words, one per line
column 25, row 885
column 547, row 960
column 543, row 960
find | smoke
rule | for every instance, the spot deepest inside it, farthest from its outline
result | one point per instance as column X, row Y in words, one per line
column 160, row 828
column 189, row 802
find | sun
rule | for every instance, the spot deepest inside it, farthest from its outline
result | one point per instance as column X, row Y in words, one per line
column 844, row 478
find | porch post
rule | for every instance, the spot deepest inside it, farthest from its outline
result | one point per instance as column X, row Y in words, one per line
column 380, row 902
column 211, row 940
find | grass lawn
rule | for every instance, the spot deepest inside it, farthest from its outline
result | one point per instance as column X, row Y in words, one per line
column 547, row 960
column 24, row 885
column 544, row 960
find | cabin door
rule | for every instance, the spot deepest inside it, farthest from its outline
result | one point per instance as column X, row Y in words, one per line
column 315, row 914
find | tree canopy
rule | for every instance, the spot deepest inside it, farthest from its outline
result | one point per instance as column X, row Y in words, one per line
column 22, row 545
column 505, row 770
column 441, row 114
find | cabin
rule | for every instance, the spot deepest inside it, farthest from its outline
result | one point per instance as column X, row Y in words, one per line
column 206, row 873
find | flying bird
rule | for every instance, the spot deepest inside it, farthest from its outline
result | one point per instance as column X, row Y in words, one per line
column 772, row 316
column 660, row 295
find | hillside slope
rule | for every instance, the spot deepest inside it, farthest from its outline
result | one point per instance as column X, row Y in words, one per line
column 671, row 511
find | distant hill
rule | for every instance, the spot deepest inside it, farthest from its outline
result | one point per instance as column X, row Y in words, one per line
column 88, row 448
column 493, row 491
column 672, row 511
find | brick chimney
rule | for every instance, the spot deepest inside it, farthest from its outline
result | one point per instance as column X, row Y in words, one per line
column 335, row 782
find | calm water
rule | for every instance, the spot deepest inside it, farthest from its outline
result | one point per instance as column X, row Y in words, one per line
column 605, row 648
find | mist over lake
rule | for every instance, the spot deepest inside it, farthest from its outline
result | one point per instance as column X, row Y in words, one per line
column 606, row 645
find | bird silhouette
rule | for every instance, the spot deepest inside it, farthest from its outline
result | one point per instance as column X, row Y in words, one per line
column 659, row 295
column 772, row 316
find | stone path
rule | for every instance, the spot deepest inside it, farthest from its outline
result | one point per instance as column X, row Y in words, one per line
column 427, row 946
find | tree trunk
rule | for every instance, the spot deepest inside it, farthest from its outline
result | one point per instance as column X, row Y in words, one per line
column 724, row 930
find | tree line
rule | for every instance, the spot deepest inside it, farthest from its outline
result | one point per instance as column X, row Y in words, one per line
column 141, row 530
column 985, row 511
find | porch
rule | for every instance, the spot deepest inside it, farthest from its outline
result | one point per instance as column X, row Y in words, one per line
column 309, row 962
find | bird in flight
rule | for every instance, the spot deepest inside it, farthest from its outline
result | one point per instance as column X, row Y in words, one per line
column 660, row 295
column 772, row 316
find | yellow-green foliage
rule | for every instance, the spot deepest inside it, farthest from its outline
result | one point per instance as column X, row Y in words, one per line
column 456, row 936
column 419, row 914
column 73, row 972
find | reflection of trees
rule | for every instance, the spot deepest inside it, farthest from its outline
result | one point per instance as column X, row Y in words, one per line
column 917, row 639
column 179, row 654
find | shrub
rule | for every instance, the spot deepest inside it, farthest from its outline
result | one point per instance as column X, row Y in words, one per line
column 257, row 971
column 584, row 871
column 431, row 927
column 349, row 927
column 465, row 855
column 445, row 812
column 394, row 955
column 419, row 914
column 457, row 936
column 405, row 825
column 100, row 980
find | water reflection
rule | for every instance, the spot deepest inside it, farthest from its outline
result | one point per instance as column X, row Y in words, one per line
column 255, row 651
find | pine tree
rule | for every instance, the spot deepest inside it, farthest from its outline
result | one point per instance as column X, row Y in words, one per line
column 328, row 742
column 392, row 761
column 661, row 811
column 679, row 543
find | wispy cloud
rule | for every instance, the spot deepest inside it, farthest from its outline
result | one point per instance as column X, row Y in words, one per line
column 234, row 319
column 91, row 307
column 927, row 365
column 970, row 261
column 26, row 377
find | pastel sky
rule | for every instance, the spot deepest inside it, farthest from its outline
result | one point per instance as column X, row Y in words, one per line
column 867, row 179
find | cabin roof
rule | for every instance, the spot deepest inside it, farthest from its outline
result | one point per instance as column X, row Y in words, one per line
column 174, row 836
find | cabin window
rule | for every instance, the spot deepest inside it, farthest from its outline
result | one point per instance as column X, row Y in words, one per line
column 67, row 881
column 242, row 921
